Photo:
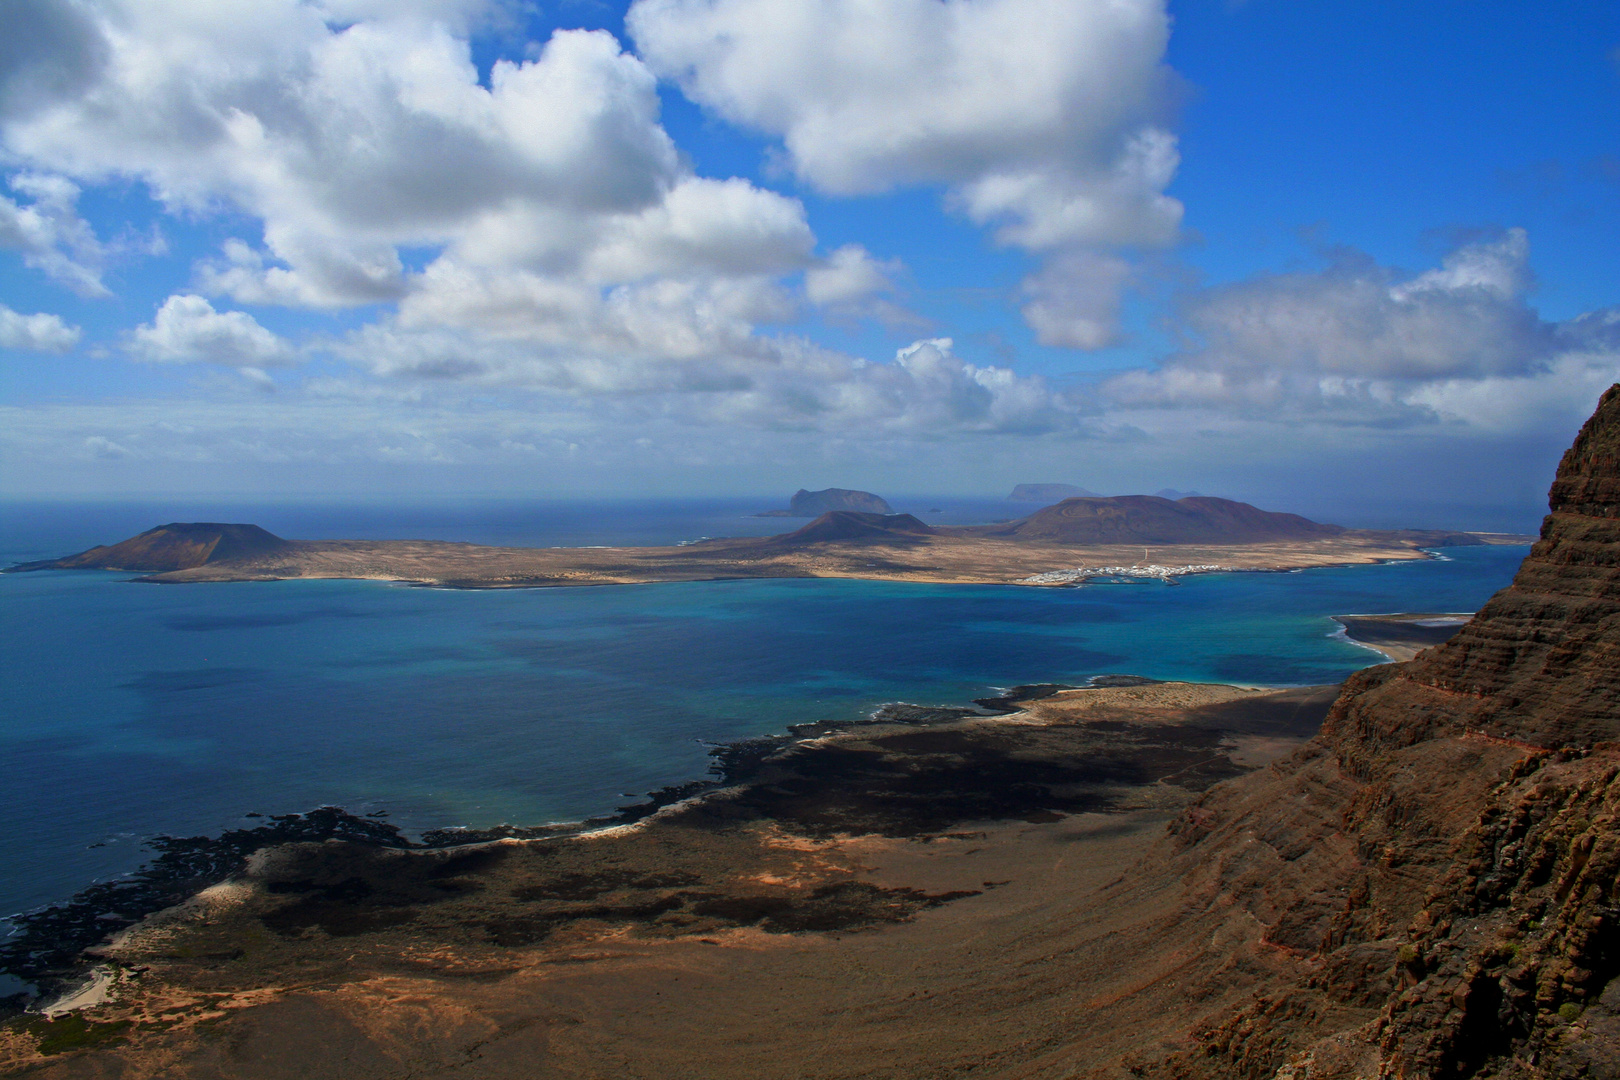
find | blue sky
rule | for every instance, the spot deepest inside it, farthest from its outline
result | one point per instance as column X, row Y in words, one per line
column 1332, row 257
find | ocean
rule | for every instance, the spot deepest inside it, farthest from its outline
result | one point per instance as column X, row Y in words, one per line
column 131, row 710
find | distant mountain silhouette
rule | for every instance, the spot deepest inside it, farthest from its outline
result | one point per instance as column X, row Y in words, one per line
column 176, row 546
column 809, row 504
column 851, row 525
column 1148, row 519
column 1172, row 493
column 1049, row 493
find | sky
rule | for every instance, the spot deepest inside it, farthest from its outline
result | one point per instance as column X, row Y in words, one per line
column 1352, row 259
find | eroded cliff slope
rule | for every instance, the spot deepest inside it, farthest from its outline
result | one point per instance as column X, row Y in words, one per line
column 1438, row 870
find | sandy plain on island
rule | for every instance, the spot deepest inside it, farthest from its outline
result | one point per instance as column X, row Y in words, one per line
column 937, row 559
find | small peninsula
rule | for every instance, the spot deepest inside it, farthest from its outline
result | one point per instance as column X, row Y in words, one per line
column 1130, row 536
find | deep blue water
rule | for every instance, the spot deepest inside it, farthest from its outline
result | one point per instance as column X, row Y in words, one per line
column 128, row 710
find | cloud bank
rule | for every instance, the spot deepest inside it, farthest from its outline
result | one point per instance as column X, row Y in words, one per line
column 573, row 249
column 1359, row 343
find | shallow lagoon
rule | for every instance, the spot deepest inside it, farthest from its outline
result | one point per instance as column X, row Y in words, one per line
column 131, row 710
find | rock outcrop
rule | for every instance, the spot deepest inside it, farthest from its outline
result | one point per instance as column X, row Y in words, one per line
column 176, row 546
column 1148, row 519
column 1439, row 872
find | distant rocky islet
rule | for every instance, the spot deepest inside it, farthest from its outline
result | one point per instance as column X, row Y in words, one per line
column 809, row 504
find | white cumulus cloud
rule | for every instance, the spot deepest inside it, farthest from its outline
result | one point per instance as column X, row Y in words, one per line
column 49, row 233
column 1074, row 300
column 40, row 332
column 351, row 133
column 1046, row 119
column 848, row 274
column 537, row 229
column 850, row 284
column 187, row 330
column 1359, row 343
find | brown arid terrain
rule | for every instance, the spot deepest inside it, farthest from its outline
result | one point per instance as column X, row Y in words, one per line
column 819, row 915
column 1155, row 880
column 1157, row 536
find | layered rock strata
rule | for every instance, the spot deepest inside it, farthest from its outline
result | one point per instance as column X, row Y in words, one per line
column 1437, row 872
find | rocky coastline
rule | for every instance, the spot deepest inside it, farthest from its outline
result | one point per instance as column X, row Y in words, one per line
column 724, row 856
column 53, row 947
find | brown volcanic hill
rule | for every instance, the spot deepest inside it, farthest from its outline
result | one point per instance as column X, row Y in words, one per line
column 1148, row 519
column 176, row 546
column 850, row 525
column 1438, row 874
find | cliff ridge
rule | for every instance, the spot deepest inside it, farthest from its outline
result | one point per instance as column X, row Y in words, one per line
column 1437, row 872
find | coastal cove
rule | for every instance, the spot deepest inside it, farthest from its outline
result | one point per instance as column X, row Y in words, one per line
column 144, row 711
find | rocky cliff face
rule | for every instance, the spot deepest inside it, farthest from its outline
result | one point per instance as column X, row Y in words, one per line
column 1438, row 871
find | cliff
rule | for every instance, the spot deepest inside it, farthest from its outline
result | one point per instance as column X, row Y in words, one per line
column 1438, row 870
column 1148, row 519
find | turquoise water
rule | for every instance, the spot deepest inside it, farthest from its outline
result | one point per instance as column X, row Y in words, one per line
column 131, row 710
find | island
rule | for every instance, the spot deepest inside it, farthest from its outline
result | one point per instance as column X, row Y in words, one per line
column 1075, row 540
column 809, row 504
column 1049, row 493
